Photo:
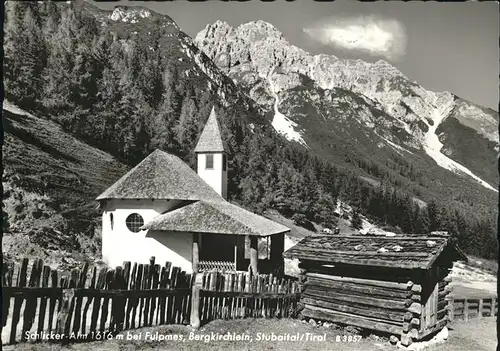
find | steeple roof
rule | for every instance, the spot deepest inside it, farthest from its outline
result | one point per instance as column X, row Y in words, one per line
column 161, row 176
column 210, row 139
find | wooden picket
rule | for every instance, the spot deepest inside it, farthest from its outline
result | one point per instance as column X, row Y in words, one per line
column 228, row 295
column 87, row 301
column 80, row 304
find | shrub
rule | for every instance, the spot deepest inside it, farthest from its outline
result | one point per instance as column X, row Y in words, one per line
column 356, row 221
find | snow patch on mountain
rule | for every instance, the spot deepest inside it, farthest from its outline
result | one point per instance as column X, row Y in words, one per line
column 396, row 146
column 129, row 15
column 368, row 228
column 433, row 146
column 283, row 124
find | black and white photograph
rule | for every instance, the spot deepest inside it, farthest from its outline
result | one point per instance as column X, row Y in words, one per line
column 250, row 175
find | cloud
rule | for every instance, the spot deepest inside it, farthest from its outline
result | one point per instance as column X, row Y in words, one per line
column 372, row 34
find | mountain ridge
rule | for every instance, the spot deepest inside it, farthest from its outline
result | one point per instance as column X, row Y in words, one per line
column 260, row 48
column 279, row 35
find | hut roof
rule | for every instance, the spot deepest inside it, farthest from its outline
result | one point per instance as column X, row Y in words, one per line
column 380, row 251
column 210, row 139
column 215, row 217
column 161, row 176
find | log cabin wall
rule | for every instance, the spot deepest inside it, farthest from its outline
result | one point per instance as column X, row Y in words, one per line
column 389, row 274
column 369, row 300
column 395, row 285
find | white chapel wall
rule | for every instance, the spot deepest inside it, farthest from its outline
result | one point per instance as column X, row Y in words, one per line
column 177, row 246
column 119, row 244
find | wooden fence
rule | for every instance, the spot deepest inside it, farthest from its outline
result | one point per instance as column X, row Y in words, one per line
column 110, row 301
column 466, row 308
column 86, row 302
column 238, row 295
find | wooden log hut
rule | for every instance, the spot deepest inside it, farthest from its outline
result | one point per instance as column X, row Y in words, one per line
column 397, row 285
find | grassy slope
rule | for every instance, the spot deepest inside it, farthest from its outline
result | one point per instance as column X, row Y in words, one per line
column 50, row 182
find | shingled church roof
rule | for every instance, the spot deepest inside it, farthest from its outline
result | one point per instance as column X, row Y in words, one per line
column 161, row 176
column 210, row 139
column 215, row 217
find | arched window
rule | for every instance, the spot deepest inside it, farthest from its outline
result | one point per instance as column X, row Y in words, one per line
column 134, row 222
column 111, row 220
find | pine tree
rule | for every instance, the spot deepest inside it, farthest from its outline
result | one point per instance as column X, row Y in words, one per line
column 187, row 128
column 251, row 193
column 25, row 56
column 60, row 62
column 324, row 210
column 283, row 189
column 422, row 221
column 375, row 206
column 311, row 191
column 299, row 219
column 161, row 128
column 12, row 48
column 355, row 194
column 356, row 221
column 434, row 216
column 107, row 104
column 269, row 182
column 407, row 209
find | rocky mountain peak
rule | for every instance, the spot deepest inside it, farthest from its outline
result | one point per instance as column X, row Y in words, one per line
column 129, row 14
column 264, row 47
column 258, row 30
column 216, row 29
column 260, row 47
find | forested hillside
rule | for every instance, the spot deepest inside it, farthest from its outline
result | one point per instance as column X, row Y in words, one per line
column 129, row 87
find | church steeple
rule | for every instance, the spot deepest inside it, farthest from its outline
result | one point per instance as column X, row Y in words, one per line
column 210, row 139
column 211, row 156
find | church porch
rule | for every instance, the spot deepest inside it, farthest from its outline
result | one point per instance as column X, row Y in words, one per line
column 238, row 253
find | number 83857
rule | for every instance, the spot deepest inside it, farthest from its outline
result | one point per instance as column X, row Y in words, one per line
column 347, row 338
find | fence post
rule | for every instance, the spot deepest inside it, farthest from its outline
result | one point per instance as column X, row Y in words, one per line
column 466, row 310
column 63, row 319
column 196, row 252
column 195, row 301
column 254, row 255
column 480, row 308
column 451, row 308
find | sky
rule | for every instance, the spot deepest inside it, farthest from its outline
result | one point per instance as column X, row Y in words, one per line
column 443, row 46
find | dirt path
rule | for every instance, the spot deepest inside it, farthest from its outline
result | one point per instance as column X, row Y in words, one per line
column 476, row 335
